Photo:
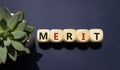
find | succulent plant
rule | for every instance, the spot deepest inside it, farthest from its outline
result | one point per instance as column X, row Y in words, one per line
column 14, row 31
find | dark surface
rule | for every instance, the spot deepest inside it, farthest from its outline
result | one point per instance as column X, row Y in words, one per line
column 76, row 14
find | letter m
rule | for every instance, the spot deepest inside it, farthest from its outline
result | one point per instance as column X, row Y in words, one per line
column 43, row 36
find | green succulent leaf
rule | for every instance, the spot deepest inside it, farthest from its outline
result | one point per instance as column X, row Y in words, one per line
column 25, row 39
column 3, row 25
column 3, row 54
column 21, row 26
column 12, row 53
column 27, row 51
column 7, row 42
column 13, row 21
column 29, row 28
column 1, row 33
column 7, row 14
column 18, row 34
column 21, row 16
column 18, row 46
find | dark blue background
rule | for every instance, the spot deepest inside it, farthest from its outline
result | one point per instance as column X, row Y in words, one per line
column 76, row 14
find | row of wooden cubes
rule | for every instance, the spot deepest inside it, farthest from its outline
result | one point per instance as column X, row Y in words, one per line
column 70, row 35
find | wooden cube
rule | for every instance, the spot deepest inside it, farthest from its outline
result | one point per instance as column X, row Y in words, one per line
column 56, row 35
column 43, row 35
column 69, row 35
column 83, row 35
column 96, row 35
